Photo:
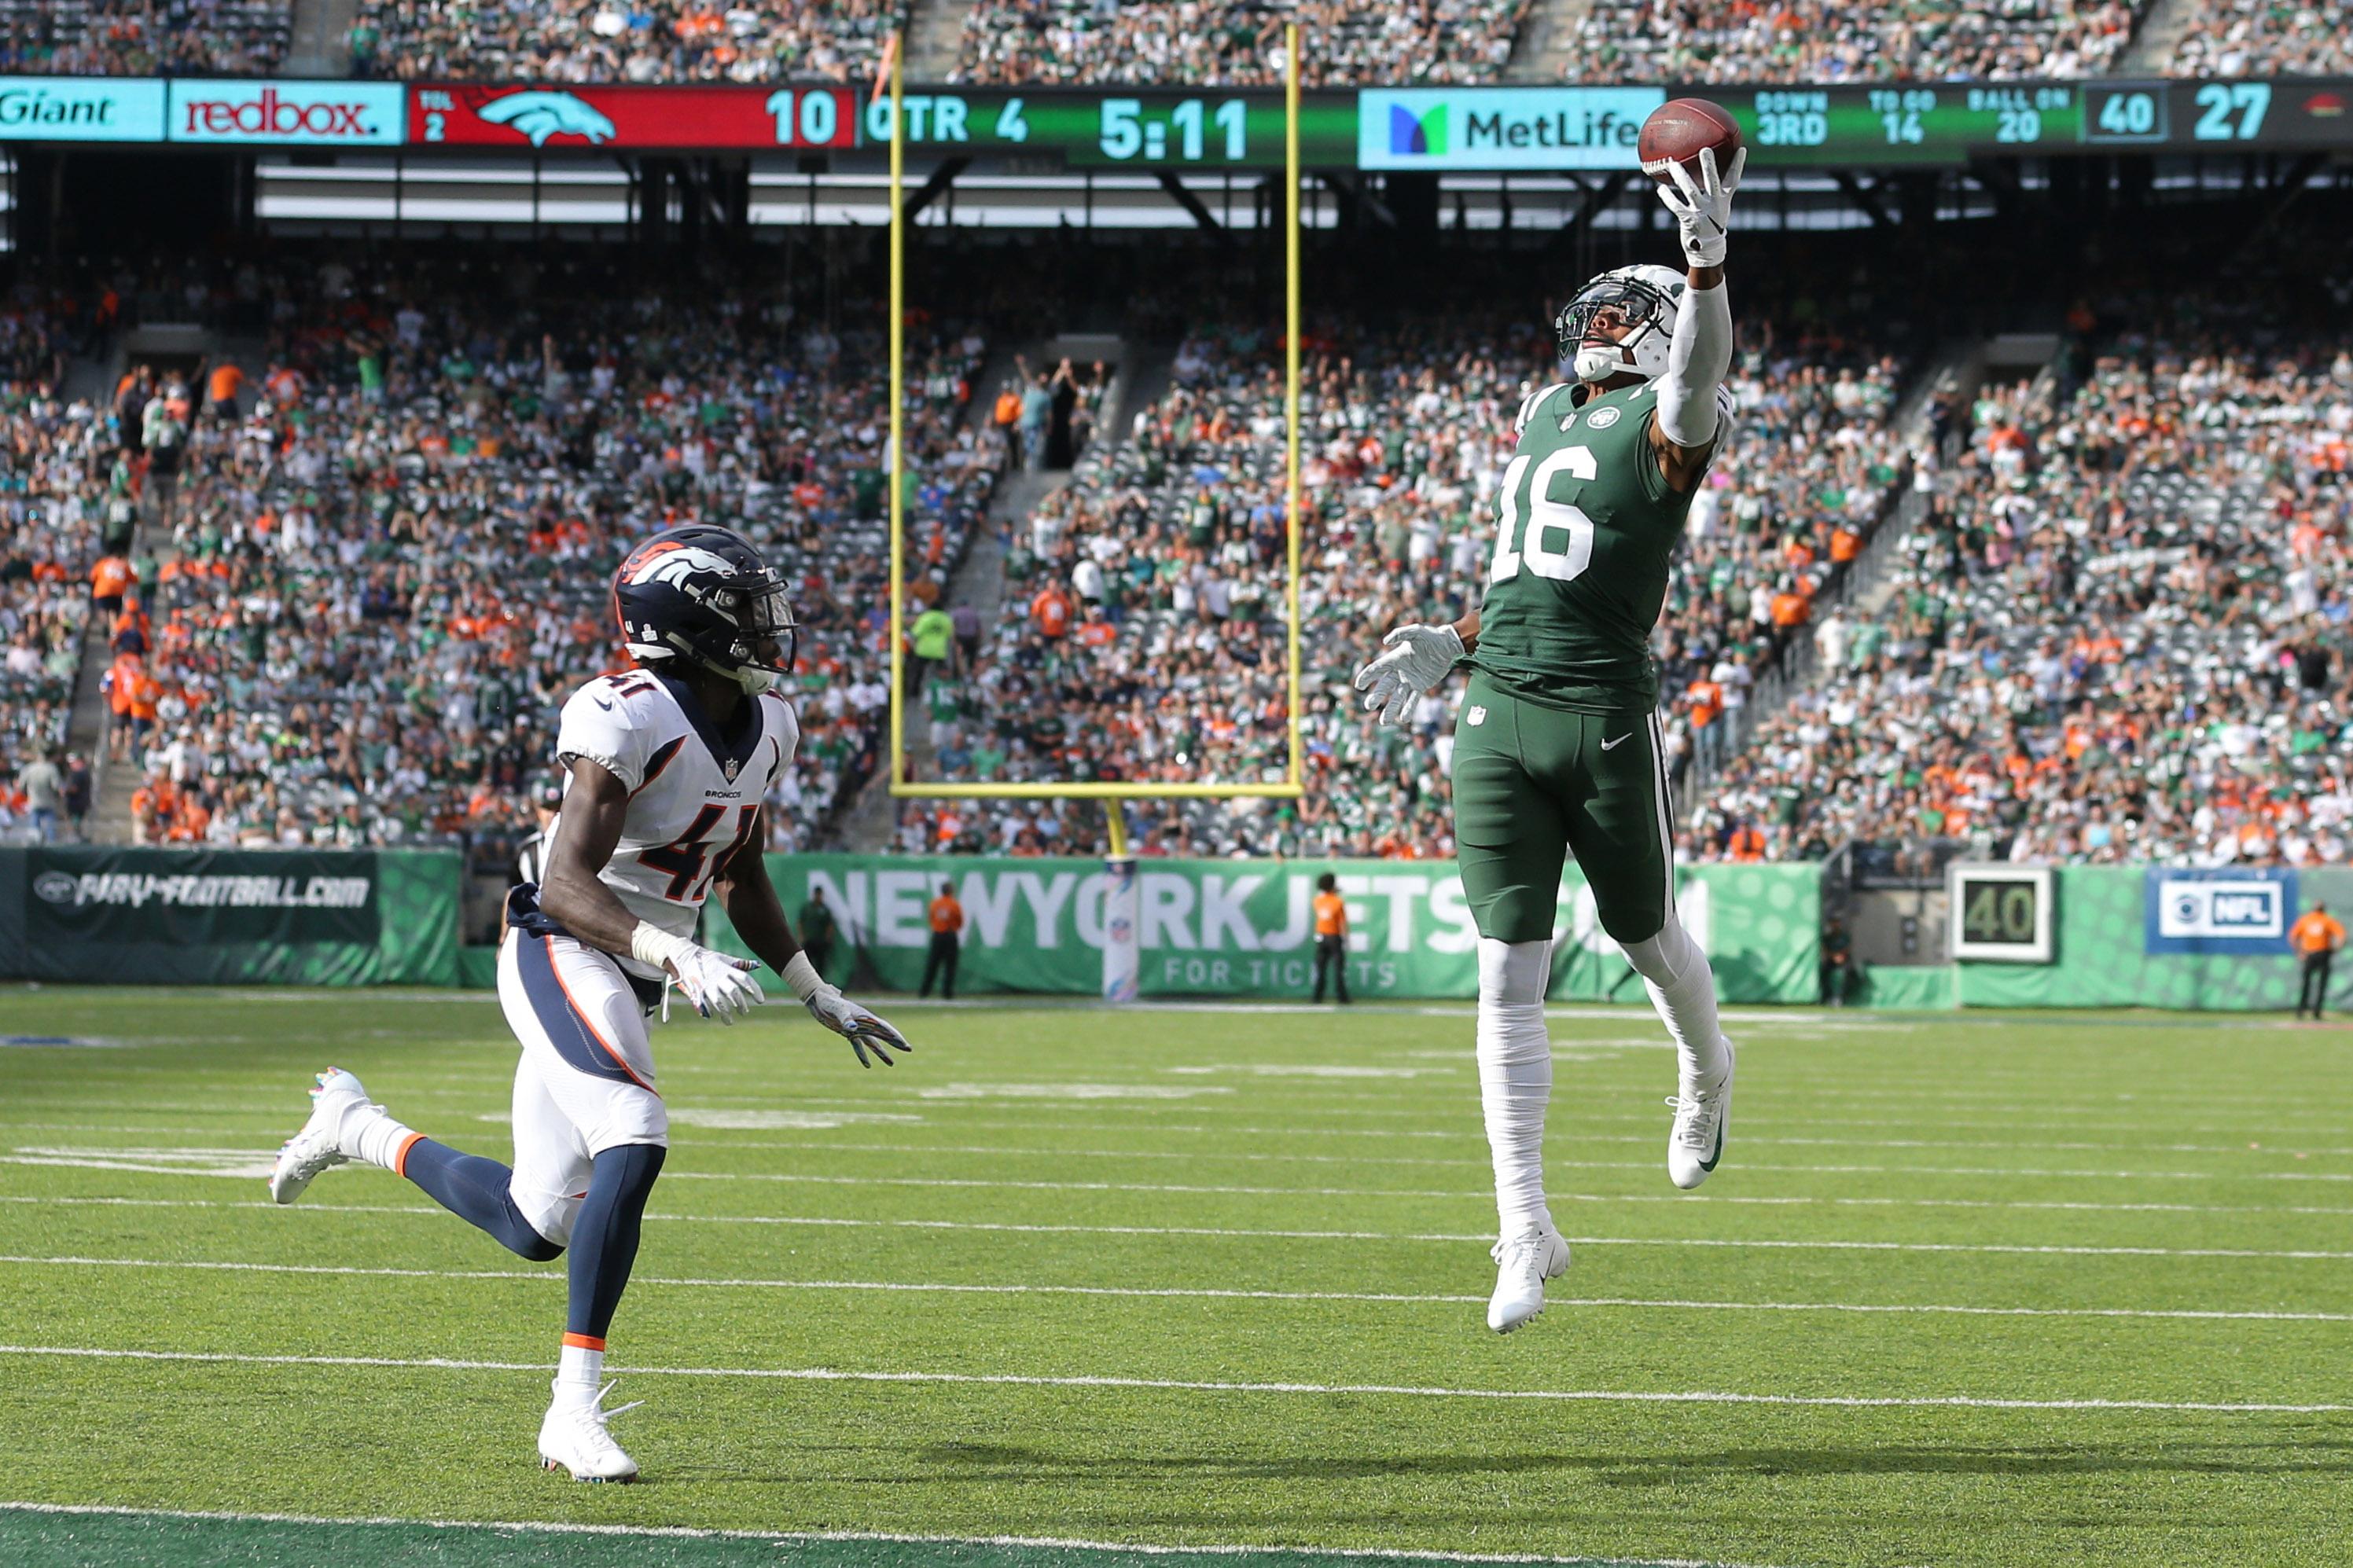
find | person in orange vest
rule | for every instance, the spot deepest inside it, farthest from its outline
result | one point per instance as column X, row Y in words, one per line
column 1748, row 844
column 2317, row 935
column 1331, row 936
column 947, row 920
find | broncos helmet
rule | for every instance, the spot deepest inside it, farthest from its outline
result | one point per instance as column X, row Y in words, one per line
column 700, row 592
column 1645, row 297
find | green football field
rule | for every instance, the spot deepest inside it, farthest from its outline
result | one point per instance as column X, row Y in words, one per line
column 1967, row 1290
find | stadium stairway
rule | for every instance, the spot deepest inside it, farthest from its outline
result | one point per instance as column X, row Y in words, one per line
column 935, row 37
column 1140, row 376
column 320, row 44
column 1547, row 40
column 2159, row 31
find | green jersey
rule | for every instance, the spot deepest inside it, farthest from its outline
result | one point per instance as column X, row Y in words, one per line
column 1586, row 526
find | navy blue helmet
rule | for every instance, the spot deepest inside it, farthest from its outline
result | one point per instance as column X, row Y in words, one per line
column 700, row 592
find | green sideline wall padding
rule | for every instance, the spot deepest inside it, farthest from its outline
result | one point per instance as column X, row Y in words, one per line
column 1914, row 988
column 364, row 917
column 1225, row 928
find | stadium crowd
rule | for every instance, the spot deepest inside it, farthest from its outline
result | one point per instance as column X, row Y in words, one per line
column 56, row 468
column 2120, row 635
column 386, row 573
column 143, row 37
column 1142, row 628
column 2266, row 37
column 610, row 41
column 1824, row 41
column 1192, row 43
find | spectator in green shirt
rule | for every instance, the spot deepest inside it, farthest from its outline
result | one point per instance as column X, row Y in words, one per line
column 934, row 636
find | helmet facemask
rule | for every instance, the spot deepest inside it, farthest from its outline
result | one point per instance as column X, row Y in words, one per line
column 767, row 635
column 1622, row 298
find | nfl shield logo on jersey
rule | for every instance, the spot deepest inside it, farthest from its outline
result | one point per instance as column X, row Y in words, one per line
column 1478, row 715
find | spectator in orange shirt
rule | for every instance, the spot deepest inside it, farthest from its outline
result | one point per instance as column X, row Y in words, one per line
column 109, row 581
column 2317, row 935
column 1790, row 608
column 1051, row 610
column 947, row 920
column 1745, row 844
column 116, row 685
column 1845, row 544
column 1705, row 698
column 1331, row 936
column 221, row 388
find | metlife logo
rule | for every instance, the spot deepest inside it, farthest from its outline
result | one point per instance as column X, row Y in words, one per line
column 289, row 113
column 1502, row 128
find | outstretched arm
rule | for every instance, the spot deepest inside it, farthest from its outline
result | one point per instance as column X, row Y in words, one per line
column 750, row 900
column 1685, row 429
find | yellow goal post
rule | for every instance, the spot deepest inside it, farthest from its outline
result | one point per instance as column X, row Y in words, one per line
column 1294, row 785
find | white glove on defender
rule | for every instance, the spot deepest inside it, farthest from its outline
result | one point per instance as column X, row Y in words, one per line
column 1419, row 659
column 1704, row 207
column 720, row 987
column 866, row 1034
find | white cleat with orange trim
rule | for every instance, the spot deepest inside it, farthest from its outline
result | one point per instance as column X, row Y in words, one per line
column 573, row 1438
column 320, row 1145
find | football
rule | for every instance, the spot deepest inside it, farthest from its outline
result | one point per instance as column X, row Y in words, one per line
column 1679, row 129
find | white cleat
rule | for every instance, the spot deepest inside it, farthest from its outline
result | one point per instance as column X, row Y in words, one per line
column 1522, row 1264
column 1702, row 1119
column 573, row 1438
column 320, row 1145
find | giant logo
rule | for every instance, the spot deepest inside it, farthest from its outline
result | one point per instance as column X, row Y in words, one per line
column 81, row 108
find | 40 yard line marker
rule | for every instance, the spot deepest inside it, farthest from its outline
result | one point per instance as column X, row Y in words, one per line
column 1190, row 1385
column 1185, row 1292
column 786, row 1537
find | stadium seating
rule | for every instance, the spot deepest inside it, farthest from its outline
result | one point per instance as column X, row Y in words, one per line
column 2258, row 37
column 1821, row 42
column 1169, row 663
column 2120, row 635
column 52, row 481
column 143, row 37
column 600, row 40
column 1160, row 42
column 401, row 566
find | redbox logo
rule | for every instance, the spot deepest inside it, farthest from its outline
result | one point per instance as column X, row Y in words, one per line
column 330, row 113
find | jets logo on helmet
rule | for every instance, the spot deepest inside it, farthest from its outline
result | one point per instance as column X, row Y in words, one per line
column 1641, row 299
column 701, row 593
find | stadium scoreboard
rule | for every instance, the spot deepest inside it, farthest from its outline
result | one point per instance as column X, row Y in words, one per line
column 1943, row 124
column 1999, row 913
column 1552, row 128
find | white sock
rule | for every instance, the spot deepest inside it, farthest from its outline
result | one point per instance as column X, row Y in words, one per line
column 1516, row 1075
column 1682, row 988
column 579, row 1372
column 370, row 1133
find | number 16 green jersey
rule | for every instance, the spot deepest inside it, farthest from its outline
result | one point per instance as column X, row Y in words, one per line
column 1586, row 527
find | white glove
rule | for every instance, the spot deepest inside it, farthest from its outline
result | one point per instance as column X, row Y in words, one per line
column 1704, row 207
column 721, row 987
column 868, row 1035
column 1418, row 659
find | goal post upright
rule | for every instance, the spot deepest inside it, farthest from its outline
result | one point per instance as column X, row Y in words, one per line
column 1296, row 773
column 894, row 455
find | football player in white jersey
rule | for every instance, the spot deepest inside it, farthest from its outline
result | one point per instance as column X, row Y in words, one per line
column 667, row 765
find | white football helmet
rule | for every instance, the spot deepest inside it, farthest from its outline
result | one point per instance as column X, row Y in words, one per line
column 1645, row 297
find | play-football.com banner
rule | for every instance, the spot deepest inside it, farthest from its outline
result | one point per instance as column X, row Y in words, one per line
column 1235, row 928
column 353, row 917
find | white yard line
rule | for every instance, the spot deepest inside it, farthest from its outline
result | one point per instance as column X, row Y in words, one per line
column 1192, row 1385
column 1177, row 1292
column 793, row 1537
column 1482, row 1239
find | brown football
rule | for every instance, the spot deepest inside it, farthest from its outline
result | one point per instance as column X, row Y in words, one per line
column 1676, row 132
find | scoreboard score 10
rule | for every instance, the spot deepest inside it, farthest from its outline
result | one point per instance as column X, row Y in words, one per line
column 2000, row 913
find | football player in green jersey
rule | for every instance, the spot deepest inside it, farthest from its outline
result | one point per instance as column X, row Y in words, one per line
column 1556, row 745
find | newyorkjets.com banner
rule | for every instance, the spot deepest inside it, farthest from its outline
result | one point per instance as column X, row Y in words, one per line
column 1237, row 928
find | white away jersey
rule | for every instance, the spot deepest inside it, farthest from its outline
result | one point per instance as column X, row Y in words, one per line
column 695, row 793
